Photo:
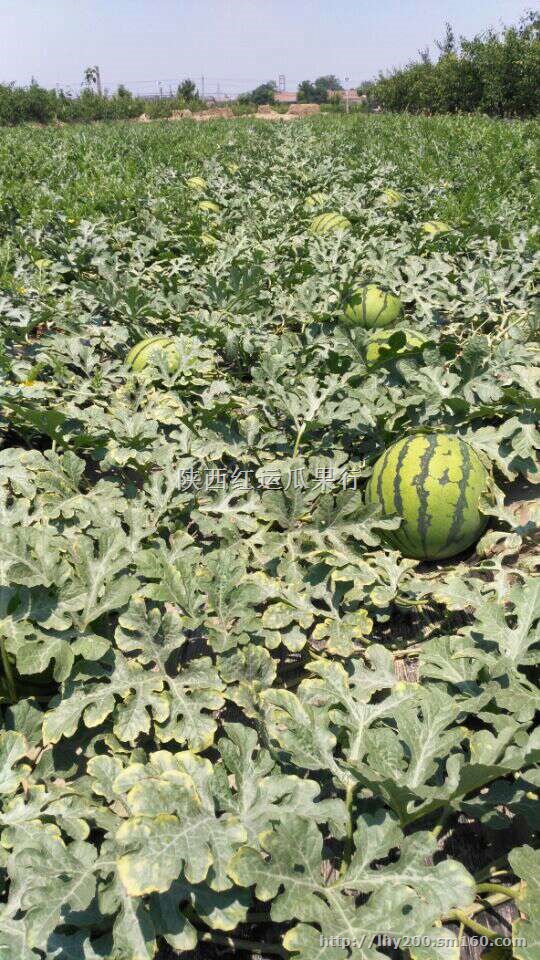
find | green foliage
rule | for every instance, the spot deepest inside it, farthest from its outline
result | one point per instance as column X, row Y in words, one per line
column 187, row 90
column 205, row 731
column 318, row 91
column 37, row 105
column 264, row 93
column 497, row 74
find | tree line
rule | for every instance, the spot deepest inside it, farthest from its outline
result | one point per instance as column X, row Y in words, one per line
column 497, row 73
column 35, row 104
column 320, row 90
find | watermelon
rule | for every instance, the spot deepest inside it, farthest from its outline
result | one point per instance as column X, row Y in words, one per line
column 208, row 240
column 208, row 206
column 140, row 355
column 433, row 228
column 434, row 482
column 392, row 197
column 371, row 307
column 315, row 200
column 326, row 223
column 381, row 337
column 196, row 183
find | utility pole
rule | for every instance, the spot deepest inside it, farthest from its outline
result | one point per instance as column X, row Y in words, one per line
column 347, row 81
column 202, row 87
column 98, row 81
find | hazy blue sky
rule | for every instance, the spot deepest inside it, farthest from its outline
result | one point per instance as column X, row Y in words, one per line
column 236, row 42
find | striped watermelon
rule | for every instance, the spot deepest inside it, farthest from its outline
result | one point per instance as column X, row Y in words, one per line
column 196, row 183
column 326, row 223
column 208, row 240
column 392, row 197
column 434, row 482
column 371, row 307
column 208, row 206
column 380, row 339
column 140, row 355
column 315, row 200
column 433, row 228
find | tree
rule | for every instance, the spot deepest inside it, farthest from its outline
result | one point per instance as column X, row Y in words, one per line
column 319, row 90
column 330, row 83
column 91, row 77
column 265, row 93
column 124, row 93
column 495, row 72
column 307, row 92
column 187, row 90
column 448, row 43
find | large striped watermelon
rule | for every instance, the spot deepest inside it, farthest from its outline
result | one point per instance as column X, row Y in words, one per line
column 434, row 482
column 140, row 355
column 380, row 339
column 326, row 223
column 371, row 307
column 196, row 183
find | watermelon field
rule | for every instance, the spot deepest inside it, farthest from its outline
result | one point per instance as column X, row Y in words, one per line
column 269, row 592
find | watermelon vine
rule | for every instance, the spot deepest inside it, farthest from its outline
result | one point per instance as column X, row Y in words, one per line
column 269, row 593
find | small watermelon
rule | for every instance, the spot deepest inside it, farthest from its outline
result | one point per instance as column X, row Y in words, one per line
column 392, row 197
column 434, row 482
column 140, row 355
column 434, row 228
column 372, row 307
column 196, row 183
column 381, row 338
column 326, row 223
column 208, row 240
column 208, row 206
column 315, row 200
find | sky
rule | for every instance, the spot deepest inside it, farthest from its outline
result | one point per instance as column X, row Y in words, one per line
column 235, row 44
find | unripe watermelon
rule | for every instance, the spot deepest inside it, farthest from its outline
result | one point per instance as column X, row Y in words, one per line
column 326, row 223
column 381, row 338
column 208, row 206
column 392, row 197
column 433, row 228
column 196, row 183
column 315, row 200
column 371, row 307
column 208, row 240
column 139, row 356
column 434, row 482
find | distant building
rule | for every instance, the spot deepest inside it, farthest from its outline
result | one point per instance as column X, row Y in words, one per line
column 285, row 96
column 354, row 96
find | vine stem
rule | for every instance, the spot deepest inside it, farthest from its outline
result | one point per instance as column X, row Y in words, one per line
column 510, row 892
column 349, row 845
column 463, row 916
column 438, row 829
column 299, row 436
column 8, row 671
column 466, row 921
column 486, row 872
column 250, row 946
